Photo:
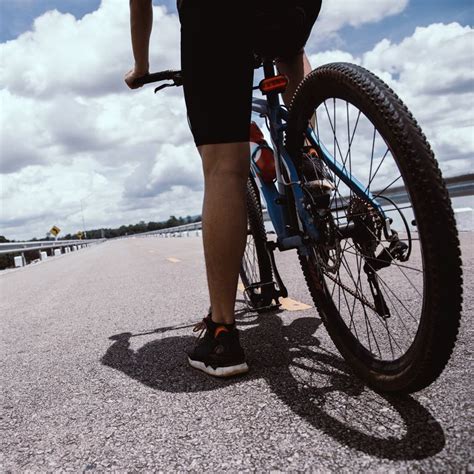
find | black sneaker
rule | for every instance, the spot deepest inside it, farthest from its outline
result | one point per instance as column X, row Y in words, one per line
column 318, row 178
column 218, row 352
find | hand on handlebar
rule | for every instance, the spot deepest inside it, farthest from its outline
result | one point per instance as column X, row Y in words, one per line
column 132, row 76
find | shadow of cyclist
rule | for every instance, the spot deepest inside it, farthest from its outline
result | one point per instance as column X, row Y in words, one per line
column 316, row 384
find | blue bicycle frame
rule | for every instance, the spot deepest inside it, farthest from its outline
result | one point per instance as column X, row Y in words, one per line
column 275, row 194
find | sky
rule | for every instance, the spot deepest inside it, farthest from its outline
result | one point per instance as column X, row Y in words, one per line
column 73, row 136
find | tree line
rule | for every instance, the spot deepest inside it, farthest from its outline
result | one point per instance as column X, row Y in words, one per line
column 139, row 228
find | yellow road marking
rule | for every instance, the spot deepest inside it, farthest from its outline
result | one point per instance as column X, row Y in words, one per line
column 174, row 260
column 286, row 303
column 293, row 305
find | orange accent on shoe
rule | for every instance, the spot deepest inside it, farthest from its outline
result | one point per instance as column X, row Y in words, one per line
column 312, row 152
column 219, row 330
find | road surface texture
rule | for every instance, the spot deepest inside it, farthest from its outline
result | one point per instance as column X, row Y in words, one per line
column 94, row 377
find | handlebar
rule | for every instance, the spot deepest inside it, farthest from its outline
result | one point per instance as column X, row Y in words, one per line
column 169, row 75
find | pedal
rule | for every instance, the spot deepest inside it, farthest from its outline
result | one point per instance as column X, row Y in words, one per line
column 267, row 304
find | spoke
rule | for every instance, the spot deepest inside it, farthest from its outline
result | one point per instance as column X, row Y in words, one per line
column 392, row 263
column 373, row 335
column 409, row 281
column 359, row 286
column 351, row 314
column 398, row 314
column 377, row 170
column 381, row 319
column 390, row 340
column 395, row 209
column 371, row 159
column 349, row 141
column 336, row 142
column 344, row 160
column 355, row 299
column 395, row 296
column 359, row 296
column 379, row 193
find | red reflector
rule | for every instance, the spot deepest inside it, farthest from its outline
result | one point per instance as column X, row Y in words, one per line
column 273, row 84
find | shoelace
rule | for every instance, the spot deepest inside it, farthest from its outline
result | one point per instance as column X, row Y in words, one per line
column 200, row 326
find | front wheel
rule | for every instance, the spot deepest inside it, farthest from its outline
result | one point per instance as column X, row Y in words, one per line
column 391, row 301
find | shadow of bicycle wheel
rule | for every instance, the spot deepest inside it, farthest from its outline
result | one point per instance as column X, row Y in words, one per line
column 314, row 383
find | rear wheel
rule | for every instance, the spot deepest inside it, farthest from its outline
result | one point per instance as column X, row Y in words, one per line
column 256, row 269
column 391, row 302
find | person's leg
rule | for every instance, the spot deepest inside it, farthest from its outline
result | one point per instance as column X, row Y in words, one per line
column 217, row 63
column 295, row 68
column 224, row 222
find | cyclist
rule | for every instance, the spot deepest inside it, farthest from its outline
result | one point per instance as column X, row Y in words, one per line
column 218, row 42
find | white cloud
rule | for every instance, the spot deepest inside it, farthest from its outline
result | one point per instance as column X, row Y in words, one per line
column 336, row 14
column 339, row 13
column 71, row 128
column 432, row 71
column 85, row 56
column 72, row 131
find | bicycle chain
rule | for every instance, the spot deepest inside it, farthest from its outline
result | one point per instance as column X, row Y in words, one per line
column 361, row 298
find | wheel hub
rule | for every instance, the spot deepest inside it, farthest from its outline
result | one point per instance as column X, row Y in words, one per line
column 368, row 225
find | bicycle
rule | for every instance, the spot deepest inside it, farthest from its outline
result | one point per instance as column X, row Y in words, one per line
column 378, row 248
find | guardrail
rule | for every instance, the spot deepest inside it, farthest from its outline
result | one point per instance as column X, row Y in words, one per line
column 171, row 231
column 14, row 247
column 42, row 246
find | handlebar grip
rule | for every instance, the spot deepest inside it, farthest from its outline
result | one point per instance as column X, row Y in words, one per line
column 159, row 76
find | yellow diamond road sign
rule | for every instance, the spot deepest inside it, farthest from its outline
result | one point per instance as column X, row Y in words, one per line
column 55, row 230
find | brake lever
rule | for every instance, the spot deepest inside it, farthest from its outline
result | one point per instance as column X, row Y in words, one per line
column 157, row 89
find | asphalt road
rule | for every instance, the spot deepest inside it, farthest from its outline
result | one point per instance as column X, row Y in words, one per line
column 94, row 377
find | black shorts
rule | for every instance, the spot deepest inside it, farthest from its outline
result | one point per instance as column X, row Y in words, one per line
column 218, row 43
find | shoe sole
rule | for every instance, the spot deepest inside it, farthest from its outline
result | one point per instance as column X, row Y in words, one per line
column 323, row 184
column 219, row 371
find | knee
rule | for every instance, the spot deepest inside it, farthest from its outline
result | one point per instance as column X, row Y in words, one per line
column 226, row 160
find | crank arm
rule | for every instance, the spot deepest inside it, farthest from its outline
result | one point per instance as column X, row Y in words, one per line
column 283, row 292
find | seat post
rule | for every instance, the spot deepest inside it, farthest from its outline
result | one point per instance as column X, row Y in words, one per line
column 270, row 71
column 268, row 68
